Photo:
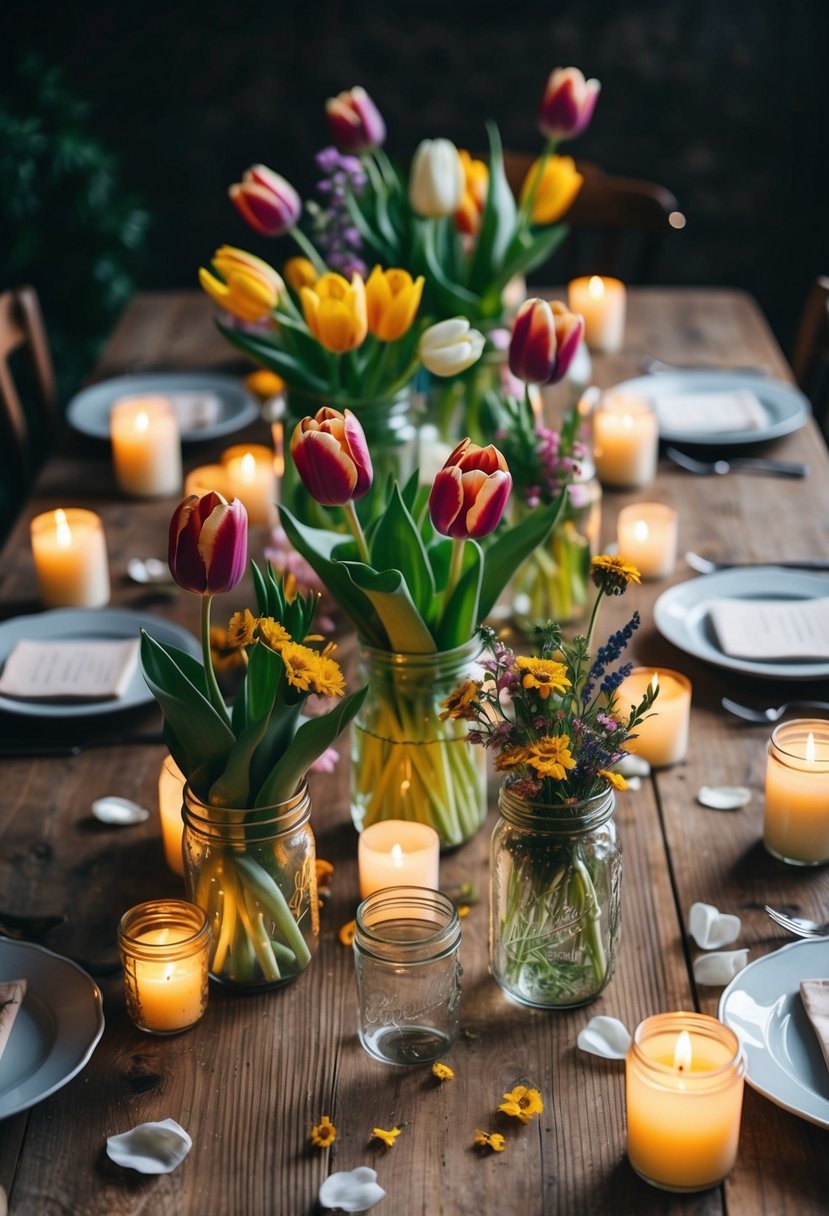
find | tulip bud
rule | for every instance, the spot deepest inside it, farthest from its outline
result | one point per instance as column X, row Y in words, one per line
column 355, row 122
column 266, row 201
column 555, row 190
column 545, row 338
column 567, row 104
column 335, row 311
column 450, row 347
column 475, row 187
column 392, row 299
column 470, row 492
column 208, row 543
column 436, row 179
column 300, row 272
column 249, row 288
column 331, row 456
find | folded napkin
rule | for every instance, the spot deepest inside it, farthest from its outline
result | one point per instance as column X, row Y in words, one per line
column 69, row 671
column 701, row 413
column 11, row 998
column 815, row 997
column 772, row 629
column 195, row 410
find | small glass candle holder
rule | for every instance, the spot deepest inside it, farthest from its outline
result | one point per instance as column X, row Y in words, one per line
column 70, row 556
column 406, row 946
column 625, row 441
column 684, row 1095
column 146, row 446
column 647, row 535
column 398, row 853
column 164, row 947
column 796, row 817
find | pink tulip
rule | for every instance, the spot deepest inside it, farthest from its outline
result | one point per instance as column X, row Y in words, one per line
column 567, row 104
column 208, row 543
column 355, row 122
column 470, row 492
column 331, row 456
column 266, row 201
column 545, row 338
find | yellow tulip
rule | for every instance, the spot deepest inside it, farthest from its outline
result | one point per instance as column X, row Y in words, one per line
column 246, row 286
column 476, row 184
column 300, row 272
column 392, row 300
column 556, row 192
column 335, row 311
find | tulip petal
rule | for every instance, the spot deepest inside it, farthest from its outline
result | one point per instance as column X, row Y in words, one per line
column 223, row 545
column 355, row 439
column 485, row 514
column 328, row 473
column 446, row 499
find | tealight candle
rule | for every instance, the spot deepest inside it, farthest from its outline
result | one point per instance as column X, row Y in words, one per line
column 625, row 440
column 662, row 738
column 170, row 798
column 602, row 303
column 70, row 555
column 250, row 475
column 796, row 819
column 146, row 446
column 684, row 1095
column 398, row 853
column 204, row 479
column 164, row 946
column 646, row 532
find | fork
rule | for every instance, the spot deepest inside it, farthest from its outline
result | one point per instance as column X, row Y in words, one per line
column 772, row 713
column 798, row 925
column 704, row 565
column 746, row 464
column 653, row 366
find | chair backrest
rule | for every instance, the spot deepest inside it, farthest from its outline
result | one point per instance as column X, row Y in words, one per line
column 21, row 326
column 607, row 210
column 810, row 354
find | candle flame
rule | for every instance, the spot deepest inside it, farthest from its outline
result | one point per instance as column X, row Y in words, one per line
column 683, row 1052
column 397, row 856
column 654, row 685
column 595, row 287
column 810, row 748
column 641, row 530
column 247, row 467
column 142, row 421
column 62, row 529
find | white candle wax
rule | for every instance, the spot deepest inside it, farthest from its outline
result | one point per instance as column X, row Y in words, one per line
column 398, row 853
column 69, row 550
column 647, row 532
column 662, row 738
column 796, row 818
column 625, row 441
column 170, row 798
column 250, row 476
column 146, row 446
column 602, row 303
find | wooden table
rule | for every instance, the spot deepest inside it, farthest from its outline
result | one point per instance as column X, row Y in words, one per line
column 250, row 1080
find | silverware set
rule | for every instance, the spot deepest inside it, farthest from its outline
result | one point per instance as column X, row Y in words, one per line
column 736, row 464
column 800, row 926
column 770, row 713
column 704, row 565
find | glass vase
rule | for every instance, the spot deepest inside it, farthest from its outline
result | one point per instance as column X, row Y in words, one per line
column 455, row 406
column 407, row 761
column 554, row 909
column 254, row 873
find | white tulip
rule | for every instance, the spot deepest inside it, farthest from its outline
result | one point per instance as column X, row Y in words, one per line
column 450, row 347
column 436, row 179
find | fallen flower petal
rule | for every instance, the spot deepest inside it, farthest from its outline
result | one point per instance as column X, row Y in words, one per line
column 711, row 928
column 605, row 1037
column 388, row 1138
column 522, row 1103
column 442, row 1071
column 719, row 968
column 493, row 1140
column 351, row 1190
column 150, row 1148
column 346, row 933
column 324, row 1133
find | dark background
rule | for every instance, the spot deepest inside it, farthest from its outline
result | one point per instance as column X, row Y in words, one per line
column 723, row 101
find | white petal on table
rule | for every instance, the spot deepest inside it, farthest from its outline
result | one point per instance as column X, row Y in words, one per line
column 151, row 1148
column 605, row 1037
column 632, row 766
column 711, row 928
column 724, row 797
column 351, row 1190
column 717, row 970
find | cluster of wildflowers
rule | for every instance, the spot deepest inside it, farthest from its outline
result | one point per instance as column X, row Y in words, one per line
column 335, row 235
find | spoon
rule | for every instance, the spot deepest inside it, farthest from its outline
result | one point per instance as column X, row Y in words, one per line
column 149, row 571
column 118, row 812
column 704, row 565
column 772, row 713
column 746, row 464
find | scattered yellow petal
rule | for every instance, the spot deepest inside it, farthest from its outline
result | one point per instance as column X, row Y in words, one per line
column 443, row 1072
column 616, row 779
column 463, row 910
column 522, row 1103
column 324, row 1134
column 325, row 870
column 493, row 1140
column 388, row 1138
column 346, row 933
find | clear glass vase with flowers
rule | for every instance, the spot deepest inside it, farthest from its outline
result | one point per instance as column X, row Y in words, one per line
column 555, row 729
column 248, row 848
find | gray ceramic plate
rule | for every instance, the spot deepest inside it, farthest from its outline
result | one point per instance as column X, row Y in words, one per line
column 88, row 412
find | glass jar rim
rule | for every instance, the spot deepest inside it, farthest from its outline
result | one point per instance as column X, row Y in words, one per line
column 164, row 913
column 440, row 939
column 701, row 1024
column 818, row 727
column 558, row 817
column 279, row 817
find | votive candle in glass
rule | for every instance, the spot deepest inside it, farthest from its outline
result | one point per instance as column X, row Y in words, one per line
column 647, row 533
column 662, row 737
column 70, row 556
column 684, row 1095
column 602, row 303
column 204, row 479
column 796, row 818
column 398, row 853
column 250, row 475
column 146, row 446
column 625, row 441
column 170, row 799
column 164, row 946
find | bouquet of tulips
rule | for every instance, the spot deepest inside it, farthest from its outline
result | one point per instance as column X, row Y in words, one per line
column 242, row 762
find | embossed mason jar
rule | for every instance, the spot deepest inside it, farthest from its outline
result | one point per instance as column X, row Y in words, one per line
column 554, row 909
column 408, row 971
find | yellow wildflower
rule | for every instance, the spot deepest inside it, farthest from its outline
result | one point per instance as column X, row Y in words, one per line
column 324, row 1134
column 550, row 756
column 522, row 1103
column 329, row 680
column 346, row 933
column 443, row 1072
column 493, row 1140
column 616, row 779
column 272, row 633
column 241, row 629
column 458, row 703
column 224, row 653
column 510, row 758
column 388, row 1138
column 613, row 574
column 544, row 674
column 463, row 910
column 300, row 665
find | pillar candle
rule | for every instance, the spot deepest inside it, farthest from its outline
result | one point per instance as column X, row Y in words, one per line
column 796, row 819
column 398, row 853
column 662, row 738
column 164, row 947
column 204, row 478
column 70, row 555
column 250, row 476
column 646, row 532
column 625, row 440
column 146, row 446
column 684, row 1095
column 170, row 797
column 602, row 303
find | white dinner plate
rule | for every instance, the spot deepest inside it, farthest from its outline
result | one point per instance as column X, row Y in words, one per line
column 762, row 1006
column 56, row 1029
column 787, row 408
column 89, row 625
column 682, row 615
column 89, row 411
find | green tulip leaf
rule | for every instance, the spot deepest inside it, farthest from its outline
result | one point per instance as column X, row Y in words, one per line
column 396, row 545
column 461, row 614
column 386, row 590
column 528, row 251
column 202, row 733
column 505, row 554
column 498, row 221
column 454, row 297
column 232, row 788
column 293, row 369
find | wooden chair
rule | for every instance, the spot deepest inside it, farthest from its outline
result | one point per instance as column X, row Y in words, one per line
column 810, row 354
column 617, row 223
column 28, row 393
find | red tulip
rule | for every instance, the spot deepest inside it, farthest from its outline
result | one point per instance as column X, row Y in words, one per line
column 208, row 543
column 545, row 338
column 355, row 122
column 331, row 456
column 266, row 201
column 470, row 492
column 567, row 104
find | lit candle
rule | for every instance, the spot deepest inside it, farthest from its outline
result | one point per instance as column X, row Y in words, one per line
column 646, row 532
column 204, row 479
column 146, row 446
column 170, row 798
column 601, row 301
column 684, row 1094
column 662, row 738
column 625, row 440
column 70, row 555
column 796, row 820
column 164, row 946
column 250, row 476
column 398, row 853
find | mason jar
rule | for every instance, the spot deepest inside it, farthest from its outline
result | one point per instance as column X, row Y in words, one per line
column 164, row 946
